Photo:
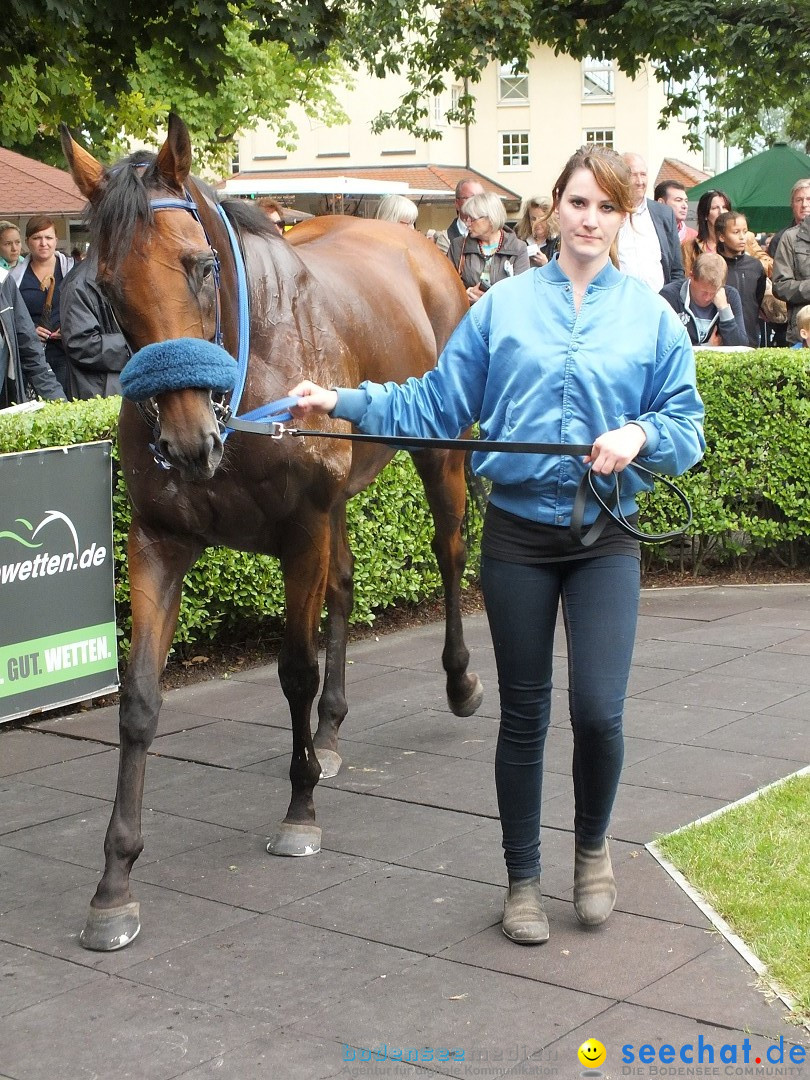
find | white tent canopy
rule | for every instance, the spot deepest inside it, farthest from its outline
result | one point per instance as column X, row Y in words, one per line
column 326, row 185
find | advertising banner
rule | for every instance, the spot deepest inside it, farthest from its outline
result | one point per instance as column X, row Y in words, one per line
column 57, row 604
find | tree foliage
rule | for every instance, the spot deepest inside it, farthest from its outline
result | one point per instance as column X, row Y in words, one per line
column 722, row 61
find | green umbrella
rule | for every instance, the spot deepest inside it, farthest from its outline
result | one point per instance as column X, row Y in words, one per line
column 760, row 186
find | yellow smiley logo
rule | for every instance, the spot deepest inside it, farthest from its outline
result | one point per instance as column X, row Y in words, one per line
column 592, row 1054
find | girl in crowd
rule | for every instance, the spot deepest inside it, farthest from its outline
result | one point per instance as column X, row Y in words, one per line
column 39, row 277
column 539, row 228
column 745, row 273
column 547, row 357
column 490, row 252
column 10, row 245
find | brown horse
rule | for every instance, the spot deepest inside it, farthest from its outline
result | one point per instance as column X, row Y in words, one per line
column 341, row 301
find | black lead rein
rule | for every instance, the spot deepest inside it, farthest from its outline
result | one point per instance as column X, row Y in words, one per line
column 609, row 504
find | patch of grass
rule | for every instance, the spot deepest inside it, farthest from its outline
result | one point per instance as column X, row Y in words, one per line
column 752, row 864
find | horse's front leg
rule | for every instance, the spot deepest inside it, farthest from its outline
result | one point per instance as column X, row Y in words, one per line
column 305, row 573
column 332, row 705
column 442, row 474
column 157, row 565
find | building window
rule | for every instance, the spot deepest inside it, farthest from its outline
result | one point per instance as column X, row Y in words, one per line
column 235, row 160
column 515, row 149
column 599, row 137
column 455, row 96
column 513, row 85
column 598, row 79
column 438, row 112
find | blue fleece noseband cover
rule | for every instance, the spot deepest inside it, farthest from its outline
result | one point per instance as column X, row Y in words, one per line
column 179, row 364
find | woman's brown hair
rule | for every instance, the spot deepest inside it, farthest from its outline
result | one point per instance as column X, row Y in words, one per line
column 39, row 223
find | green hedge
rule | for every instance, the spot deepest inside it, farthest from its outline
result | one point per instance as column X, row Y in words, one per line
column 751, row 494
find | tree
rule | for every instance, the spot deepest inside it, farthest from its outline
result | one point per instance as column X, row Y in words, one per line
column 722, row 61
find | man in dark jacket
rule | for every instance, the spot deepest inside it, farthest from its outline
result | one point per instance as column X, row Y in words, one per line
column 95, row 347
column 22, row 358
column 711, row 311
column 648, row 243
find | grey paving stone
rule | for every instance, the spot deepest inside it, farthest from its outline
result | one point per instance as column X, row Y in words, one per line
column 704, row 770
column 631, row 1026
column 229, row 797
column 27, row 978
column 585, row 958
column 233, row 699
column 495, row 1020
column 645, row 888
column 25, row 877
column 646, row 678
column 274, row 970
column 385, row 828
column 749, row 636
column 51, row 925
column 96, row 775
column 781, row 736
column 79, row 838
column 661, row 626
column 101, row 725
column 702, row 602
column 22, row 751
column 22, row 805
column 438, row 733
column 411, row 909
column 640, row 813
column 226, row 743
column 110, row 1029
column 798, row 707
column 770, row 666
column 707, row 688
column 789, row 616
column 239, row 872
column 299, row 1057
column 476, row 855
column 682, row 655
column 671, row 721
column 798, row 645
column 718, row 987
column 463, row 785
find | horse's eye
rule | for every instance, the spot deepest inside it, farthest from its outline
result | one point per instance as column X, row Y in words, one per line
column 207, row 270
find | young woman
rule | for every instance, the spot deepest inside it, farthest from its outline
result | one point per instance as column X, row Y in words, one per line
column 539, row 229
column 39, row 277
column 574, row 352
column 745, row 273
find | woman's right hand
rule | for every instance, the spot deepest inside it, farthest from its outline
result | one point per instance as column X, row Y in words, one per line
column 312, row 399
column 43, row 333
column 539, row 259
column 474, row 293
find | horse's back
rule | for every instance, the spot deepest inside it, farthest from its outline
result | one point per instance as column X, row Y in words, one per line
column 401, row 277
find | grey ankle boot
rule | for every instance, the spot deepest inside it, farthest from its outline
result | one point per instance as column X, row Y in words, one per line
column 594, row 885
column 524, row 920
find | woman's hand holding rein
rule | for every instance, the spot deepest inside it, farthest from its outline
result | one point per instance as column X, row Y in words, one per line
column 312, row 399
column 613, row 451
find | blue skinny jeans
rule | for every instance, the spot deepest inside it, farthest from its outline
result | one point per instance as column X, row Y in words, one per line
column 600, row 608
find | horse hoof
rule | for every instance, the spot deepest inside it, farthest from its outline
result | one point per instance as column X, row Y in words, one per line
column 292, row 839
column 473, row 700
column 108, row 929
column 329, row 761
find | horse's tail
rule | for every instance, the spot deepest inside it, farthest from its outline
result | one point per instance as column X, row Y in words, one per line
column 477, row 498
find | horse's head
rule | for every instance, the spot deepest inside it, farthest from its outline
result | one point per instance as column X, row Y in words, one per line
column 154, row 235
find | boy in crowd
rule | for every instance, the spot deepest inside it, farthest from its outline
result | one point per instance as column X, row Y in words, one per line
column 745, row 273
column 711, row 312
column 803, row 327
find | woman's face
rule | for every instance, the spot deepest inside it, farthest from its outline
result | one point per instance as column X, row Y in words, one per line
column 717, row 207
column 480, row 228
column 589, row 220
column 539, row 222
column 42, row 245
column 10, row 245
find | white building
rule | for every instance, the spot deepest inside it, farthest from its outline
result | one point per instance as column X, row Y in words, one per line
column 526, row 126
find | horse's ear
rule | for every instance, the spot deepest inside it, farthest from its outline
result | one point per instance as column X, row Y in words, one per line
column 88, row 173
column 174, row 158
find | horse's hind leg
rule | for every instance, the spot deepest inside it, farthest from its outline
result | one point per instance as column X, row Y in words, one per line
column 156, row 568
column 305, row 573
column 442, row 474
column 332, row 705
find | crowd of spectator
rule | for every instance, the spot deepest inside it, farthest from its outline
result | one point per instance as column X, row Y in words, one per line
column 59, row 337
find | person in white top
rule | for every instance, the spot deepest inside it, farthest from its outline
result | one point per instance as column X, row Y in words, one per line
column 648, row 244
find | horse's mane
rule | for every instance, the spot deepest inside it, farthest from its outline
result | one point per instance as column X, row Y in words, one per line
column 125, row 202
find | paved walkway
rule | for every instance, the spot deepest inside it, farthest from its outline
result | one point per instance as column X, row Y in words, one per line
column 251, row 966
